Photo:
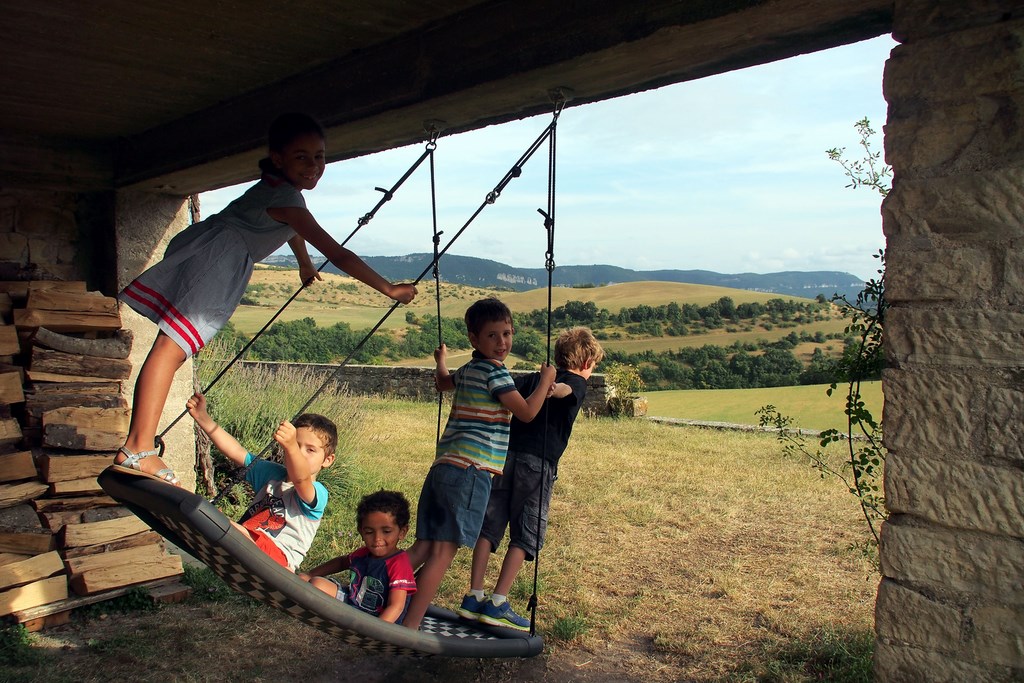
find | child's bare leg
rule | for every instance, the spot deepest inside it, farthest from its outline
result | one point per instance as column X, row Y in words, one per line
column 428, row 580
column 481, row 556
column 418, row 552
column 510, row 567
column 151, row 390
column 245, row 532
column 326, row 585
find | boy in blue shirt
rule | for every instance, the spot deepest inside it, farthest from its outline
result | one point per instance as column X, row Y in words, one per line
column 289, row 503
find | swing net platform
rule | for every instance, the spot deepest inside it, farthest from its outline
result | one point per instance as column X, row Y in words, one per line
column 197, row 526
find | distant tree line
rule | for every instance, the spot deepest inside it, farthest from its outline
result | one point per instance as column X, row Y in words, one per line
column 762, row 364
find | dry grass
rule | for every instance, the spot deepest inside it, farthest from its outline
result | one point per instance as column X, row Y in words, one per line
column 674, row 554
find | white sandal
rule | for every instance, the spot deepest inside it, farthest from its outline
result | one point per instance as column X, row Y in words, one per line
column 131, row 463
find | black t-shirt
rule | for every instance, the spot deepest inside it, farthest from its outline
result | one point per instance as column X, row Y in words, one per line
column 561, row 413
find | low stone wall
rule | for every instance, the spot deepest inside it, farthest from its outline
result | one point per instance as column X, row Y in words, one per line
column 416, row 383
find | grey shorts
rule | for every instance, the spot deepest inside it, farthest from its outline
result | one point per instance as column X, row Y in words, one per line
column 519, row 500
column 452, row 503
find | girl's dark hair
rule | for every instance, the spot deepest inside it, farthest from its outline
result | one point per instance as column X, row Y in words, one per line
column 284, row 130
column 389, row 502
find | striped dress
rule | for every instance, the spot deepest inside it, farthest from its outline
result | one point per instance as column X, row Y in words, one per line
column 195, row 289
column 478, row 426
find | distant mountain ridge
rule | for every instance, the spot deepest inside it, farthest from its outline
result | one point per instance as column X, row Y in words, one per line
column 469, row 270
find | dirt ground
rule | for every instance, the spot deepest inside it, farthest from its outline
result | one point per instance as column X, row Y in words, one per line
column 197, row 642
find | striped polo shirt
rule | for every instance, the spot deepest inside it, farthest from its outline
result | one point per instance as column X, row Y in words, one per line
column 477, row 429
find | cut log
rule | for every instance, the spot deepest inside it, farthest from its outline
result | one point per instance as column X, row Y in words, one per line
column 9, row 344
column 10, row 388
column 56, row 285
column 7, row 558
column 133, row 541
column 66, row 321
column 38, row 403
column 57, row 519
column 15, row 466
column 91, row 429
column 6, row 305
column 75, row 379
column 34, row 594
column 82, row 302
column 105, row 513
column 10, row 432
column 75, row 487
column 13, row 494
column 147, row 569
column 26, row 541
column 20, row 516
column 93, row 533
column 128, row 556
column 61, row 363
column 35, row 568
column 69, row 467
column 117, row 346
column 82, row 503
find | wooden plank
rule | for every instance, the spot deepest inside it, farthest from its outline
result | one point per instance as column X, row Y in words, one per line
column 143, row 570
column 84, row 302
column 7, row 558
column 15, row 466
column 94, row 387
column 117, row 346
column 10, row 432
column 69, row 467
column 39, row 617
column 91, row 429
column 34, row 594
column 128, row 556
column 56, row 285
column 133, row 541
column 36, row 404
column 26, row 541
column 13, row 494
column 75, row 487
column 75, row 379
column 6, row 305
column 61, row 363
column 9, row 344
column 66, row 321
column 10, row 388
column 80, row 503
column 93, row 533
column 30, row 570
column 16, row 289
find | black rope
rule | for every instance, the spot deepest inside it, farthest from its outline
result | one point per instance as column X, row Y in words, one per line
column 437, row 288
column 491, row 198
column 549, row 265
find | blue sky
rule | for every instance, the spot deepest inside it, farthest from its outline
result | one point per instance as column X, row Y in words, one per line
column 727, row 173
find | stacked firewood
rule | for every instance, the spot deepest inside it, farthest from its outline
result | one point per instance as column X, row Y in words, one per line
column 63, row 542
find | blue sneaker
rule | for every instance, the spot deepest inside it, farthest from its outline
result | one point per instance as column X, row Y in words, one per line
column 471, row 608
column 503, row 615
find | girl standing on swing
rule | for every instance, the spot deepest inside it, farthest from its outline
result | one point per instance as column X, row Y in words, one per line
column 195, row 289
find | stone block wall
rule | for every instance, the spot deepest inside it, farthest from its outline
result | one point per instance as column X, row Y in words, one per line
column 38, row 235
column 950, row 604
column 416, row 383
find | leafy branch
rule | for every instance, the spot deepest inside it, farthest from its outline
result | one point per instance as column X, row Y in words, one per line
column 861, row 471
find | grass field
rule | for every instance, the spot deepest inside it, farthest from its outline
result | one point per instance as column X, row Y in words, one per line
column 673, row 554
column 809, row 406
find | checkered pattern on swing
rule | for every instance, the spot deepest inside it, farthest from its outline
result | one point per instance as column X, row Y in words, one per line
column 236, row 576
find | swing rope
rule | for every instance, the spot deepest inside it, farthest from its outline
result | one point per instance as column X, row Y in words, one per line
column 387, row 195
column 549, row 265
column 514, row 172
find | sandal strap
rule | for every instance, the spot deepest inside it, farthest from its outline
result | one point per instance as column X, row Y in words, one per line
column 132, row 459
column 168, row 475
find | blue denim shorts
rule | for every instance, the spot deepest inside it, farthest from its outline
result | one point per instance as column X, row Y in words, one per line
column 452, row 504
column 519, row 502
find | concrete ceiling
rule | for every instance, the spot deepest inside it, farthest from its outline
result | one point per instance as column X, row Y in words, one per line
column 176, row 97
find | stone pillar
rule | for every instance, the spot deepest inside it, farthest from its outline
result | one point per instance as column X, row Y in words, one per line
column 145, row 224
column 950, row 604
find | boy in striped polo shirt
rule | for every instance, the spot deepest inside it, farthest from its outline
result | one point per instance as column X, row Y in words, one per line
column 472, row 448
